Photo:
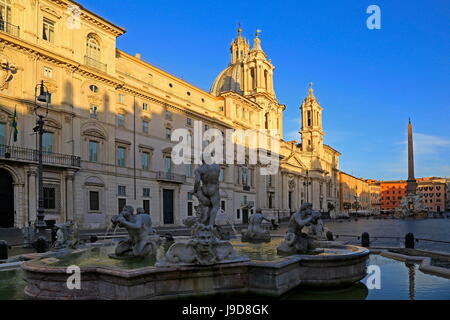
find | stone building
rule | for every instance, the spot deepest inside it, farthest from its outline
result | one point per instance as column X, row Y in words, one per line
column 355, row 193
column 110, row 123
column 432, row 189
column 375, row 196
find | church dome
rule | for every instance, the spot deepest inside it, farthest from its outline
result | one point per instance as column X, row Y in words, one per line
column 230, row 79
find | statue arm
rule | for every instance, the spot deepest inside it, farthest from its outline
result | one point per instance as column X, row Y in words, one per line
column 131, row 225
column 303, row 222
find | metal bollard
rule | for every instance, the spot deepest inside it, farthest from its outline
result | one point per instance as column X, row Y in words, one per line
column 329, row 236
column 409, row 241
column 3, row 250
column 365, row 240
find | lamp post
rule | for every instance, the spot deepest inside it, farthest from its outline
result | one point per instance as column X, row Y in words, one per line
column 40, row 225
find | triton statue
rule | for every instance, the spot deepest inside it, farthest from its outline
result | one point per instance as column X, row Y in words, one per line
column 142, row 238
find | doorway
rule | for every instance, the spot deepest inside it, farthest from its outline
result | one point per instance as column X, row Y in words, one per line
column 168, row 206
column 6, row 200
column 245, row 216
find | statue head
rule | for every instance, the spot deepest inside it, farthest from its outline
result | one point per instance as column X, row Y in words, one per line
column 127, row 212
column 306, row 207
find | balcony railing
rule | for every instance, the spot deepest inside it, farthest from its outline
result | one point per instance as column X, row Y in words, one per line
column 9, row 28
column 90, row 62
column 171, row 177
column 30, row 155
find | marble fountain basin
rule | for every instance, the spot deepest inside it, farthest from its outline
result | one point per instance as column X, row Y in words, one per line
column 266, row 273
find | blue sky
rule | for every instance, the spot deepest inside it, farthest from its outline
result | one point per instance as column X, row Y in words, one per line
column 368, row 81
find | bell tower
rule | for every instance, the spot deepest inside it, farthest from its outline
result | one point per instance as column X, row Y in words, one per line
column 239, row 48
column 259, row 71
column 312, row 130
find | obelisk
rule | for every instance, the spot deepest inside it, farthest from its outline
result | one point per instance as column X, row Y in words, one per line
column 411, row 184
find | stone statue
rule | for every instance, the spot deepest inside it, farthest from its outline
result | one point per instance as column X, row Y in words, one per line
column 255, row 231
column 297, row 241
column 205, row 246
column 411, row 205
column 206, row 190
column 142, row 238
column 66, row 235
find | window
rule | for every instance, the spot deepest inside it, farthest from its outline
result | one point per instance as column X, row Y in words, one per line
column 222, row 175
column 168, row 164
column 121, row 120
column 2, row 133
column 309, row 118
column 48, row 72
column 49, row 97
column 190, row 204
column 190, row 208
column 121, row 190
column 121, row 156
column 222, row 205
column 145, row 156
column 238, row 213
column 5, row 13
column 93, row 111
column 168, row 133
column 245, row 176
column 121, row 98
column 206, row 127
column 168, row 115
column 145, row 106
column 94, row 201
column 93, row 151
column 48, row 30
column 93, row 47
column 189, row 170
column 145, row 126
column 122, row 203
column 49, row 198
column 93, row 88
column 146, row 206
column 146, row 192
column 189, row 121
column 48, row 142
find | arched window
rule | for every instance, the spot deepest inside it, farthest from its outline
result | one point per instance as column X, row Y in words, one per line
column 265, row 80
column 93, row 47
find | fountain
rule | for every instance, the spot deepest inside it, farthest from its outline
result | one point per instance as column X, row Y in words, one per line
column 144, row 267
column 255, row 232
column 142, row 238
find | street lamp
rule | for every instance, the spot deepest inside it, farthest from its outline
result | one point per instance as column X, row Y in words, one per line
column 40, row 225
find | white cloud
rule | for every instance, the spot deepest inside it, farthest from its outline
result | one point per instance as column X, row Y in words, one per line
column 428, row 144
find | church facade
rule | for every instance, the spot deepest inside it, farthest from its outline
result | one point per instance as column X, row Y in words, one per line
column 110, row 121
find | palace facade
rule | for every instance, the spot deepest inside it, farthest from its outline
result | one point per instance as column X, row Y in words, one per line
column 110, row 120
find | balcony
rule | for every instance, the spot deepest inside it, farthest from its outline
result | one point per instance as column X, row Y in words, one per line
column 9, row 28
column 90, row 62
column 26, row 155
column 170, row 177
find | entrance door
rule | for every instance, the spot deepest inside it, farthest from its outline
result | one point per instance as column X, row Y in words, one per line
column 245, row 216
column 6, row 200
column 168, row 206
